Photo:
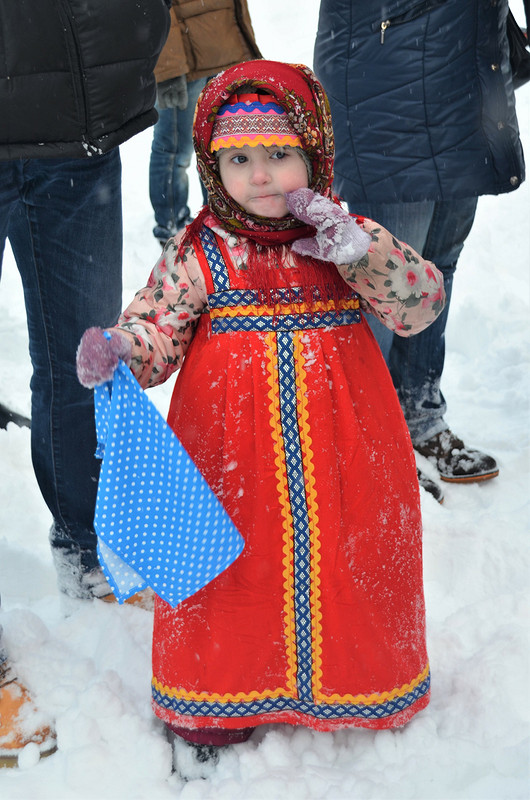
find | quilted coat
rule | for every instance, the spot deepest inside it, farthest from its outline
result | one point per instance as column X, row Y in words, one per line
column 422, row 98
column 76, row 76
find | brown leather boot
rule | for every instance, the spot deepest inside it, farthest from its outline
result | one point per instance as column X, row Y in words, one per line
column 456, row 462
column 144, row 599
column 18, row 727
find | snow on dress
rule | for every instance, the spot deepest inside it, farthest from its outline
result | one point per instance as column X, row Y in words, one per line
column 290, row 414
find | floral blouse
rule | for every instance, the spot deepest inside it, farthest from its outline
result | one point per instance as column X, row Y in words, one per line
column 393, row 282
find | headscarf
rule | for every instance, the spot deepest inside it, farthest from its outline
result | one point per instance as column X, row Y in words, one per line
column 297, row 90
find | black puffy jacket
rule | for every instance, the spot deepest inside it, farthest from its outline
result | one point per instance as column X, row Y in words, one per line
column 76, row 76
column 422, row 98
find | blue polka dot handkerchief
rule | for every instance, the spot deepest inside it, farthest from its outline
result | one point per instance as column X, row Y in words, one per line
column 158, row 522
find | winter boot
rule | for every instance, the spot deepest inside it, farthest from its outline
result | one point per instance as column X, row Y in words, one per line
column 76, row 583
column 6, row 415
column 144, row 599
column 19, row 721
column 455, row 462
column 430, row 486
column 100, row 590
column 193, row 761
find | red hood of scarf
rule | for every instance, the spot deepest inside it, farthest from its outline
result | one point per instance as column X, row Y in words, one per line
column 297, row 90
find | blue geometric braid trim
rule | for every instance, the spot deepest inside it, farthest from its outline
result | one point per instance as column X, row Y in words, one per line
column 251, row 297
column 197, row 708
column 225, row 297
column 297, row 498
column 285, row 322
column 233, row 297
column 215, row 259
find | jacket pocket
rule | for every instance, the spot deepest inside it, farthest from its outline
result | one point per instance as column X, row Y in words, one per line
column 401, row 12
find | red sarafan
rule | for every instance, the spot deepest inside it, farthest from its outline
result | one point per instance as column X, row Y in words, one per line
column 285, row 404
column 290, row 414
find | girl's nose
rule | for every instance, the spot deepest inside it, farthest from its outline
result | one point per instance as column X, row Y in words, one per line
column 260, row 174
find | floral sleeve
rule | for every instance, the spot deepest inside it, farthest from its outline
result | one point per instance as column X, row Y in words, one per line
column 163, row 316
column 395, row 283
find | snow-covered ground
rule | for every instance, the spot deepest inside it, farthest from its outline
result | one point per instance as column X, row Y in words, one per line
column 90, row 671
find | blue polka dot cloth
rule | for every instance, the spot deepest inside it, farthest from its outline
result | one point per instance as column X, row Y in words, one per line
column 158, row 522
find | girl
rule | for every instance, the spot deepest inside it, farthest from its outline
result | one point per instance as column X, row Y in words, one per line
column 284, row 403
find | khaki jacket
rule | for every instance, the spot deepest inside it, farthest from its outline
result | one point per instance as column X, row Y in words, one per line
column 206, row 37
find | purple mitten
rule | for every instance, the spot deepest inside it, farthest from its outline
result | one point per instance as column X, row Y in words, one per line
column 98, row 356
column 338, row 239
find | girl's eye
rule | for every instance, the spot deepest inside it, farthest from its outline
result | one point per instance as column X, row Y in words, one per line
column 239, row 159
column 279, row 154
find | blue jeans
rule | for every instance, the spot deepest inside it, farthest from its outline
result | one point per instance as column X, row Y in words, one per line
column 171, row 152
column 438, row 231
column 63, row 220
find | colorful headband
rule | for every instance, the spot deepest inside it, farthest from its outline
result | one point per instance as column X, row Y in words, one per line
column 252, row 119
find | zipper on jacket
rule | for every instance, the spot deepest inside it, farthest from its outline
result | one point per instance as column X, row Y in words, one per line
column 75, row 46
column 417, row 10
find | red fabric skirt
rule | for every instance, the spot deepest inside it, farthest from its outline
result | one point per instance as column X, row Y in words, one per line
column 320, row 622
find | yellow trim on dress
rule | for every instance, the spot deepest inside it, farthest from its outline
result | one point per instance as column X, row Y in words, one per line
column 377, row 698
column 285, row 507
column 214, row 697
column 292, row 309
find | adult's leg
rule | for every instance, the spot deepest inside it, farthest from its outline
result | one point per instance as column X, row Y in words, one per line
column 67, row 240
column 416, row 363
column 437, row 231
column 9, row 198
column 171, row 153
column 410, row 223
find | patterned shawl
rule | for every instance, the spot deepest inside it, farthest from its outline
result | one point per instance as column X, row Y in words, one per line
column 297, row 90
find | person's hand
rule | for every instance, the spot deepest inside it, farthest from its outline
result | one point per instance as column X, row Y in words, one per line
column 172, row 93
column 338, row 239
column 98, row 356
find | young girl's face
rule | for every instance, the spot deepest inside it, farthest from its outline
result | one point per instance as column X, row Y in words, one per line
column 258, row 177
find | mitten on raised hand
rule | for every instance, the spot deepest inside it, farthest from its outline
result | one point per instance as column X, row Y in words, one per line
column 338, row 239
column 98, row 356
column 172, row 93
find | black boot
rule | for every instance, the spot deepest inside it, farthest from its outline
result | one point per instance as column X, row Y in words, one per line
column 430, row 486
column 6, row 415
column 193, row 761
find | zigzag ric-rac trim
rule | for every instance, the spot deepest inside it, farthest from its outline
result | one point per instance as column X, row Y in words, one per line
column 255, row 139
column 379, row 697
column 306, row 443
column 285, row 507
column 215, row 697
